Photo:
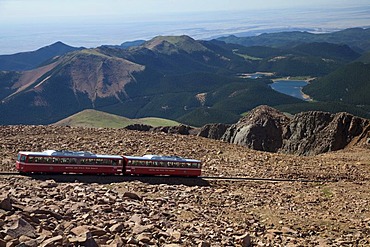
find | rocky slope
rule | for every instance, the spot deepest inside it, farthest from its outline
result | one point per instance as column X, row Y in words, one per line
column 267, row 129
column 160, row 211
column 307, row 133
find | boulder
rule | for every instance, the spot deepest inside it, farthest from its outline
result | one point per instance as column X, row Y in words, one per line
column 21, row 227
column 262, row 129
column 138, row 127
column 5, row 202
column 181, row 129
column 213, row 131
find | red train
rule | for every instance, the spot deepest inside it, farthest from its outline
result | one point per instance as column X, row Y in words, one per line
column 52, row 161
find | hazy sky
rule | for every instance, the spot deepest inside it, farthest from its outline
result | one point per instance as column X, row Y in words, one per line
column 30, row 24
column 33, row 10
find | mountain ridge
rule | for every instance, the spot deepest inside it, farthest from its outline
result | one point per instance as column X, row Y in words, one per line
column 173, row 77
column 30, row 60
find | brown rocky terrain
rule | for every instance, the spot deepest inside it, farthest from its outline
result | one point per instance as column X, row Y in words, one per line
column 306, row 133
column 72, row 210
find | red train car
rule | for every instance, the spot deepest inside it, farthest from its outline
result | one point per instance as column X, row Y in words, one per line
column 52, row 161
column 163, row 165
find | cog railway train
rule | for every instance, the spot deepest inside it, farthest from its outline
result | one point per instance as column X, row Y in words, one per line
column 62, row 161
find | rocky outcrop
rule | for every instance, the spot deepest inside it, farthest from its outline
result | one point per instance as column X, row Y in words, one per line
column 312, row 132
column 262, row 129
column 307, row 133
column 138, row 127
column 213, row 131
column 180, row 129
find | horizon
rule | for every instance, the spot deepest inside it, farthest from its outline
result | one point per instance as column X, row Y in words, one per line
column 92, row 23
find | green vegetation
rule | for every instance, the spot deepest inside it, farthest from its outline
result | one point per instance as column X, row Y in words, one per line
column 349, row 84
column 333, row 107
column 97, row 119
column 357, row 38
column 327, row 192
column 189, row 81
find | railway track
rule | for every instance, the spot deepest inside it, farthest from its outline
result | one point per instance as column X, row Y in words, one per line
column 120, row 178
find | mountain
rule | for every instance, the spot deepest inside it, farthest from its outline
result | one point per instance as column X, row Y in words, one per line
column 33, row 59
column 79, row 80
column 165, row 77
column 308, row 59
column 173, row 77
column 350, row 84
column 128, row 44
column 97, row 119
column 326, row 50
column 356, row 38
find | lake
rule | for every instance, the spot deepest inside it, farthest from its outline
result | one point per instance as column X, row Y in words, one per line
column 290, row 87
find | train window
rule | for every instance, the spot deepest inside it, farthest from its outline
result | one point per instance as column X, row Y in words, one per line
column 21, row 158
column 65, row 160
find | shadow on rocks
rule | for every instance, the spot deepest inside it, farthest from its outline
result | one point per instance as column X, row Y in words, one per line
column 107, row 179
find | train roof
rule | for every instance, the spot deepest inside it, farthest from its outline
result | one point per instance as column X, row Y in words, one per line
column 161, row 158
column 67, row 153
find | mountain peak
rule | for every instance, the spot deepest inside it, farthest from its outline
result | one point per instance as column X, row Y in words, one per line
column 174, row 44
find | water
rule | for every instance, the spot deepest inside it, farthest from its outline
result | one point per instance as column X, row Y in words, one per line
column 290, row 87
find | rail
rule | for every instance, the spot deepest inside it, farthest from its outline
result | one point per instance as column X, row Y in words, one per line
column 207, row 178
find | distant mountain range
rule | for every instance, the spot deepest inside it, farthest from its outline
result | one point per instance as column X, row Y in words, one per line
column 176, row 77
column 33, row 59
column 356, row 38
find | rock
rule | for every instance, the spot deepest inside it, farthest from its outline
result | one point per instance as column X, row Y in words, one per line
column 21, row 227
column 175, row 235
column 245, row 240
column 307, row 133
column 144, row 237
column 80, row 230
column 136, row 218
column 132, row 240
column 311, row 133
column 51, row 242
column 204, row 244
column 213, row 131
column 132, row 195
column 49, row 184
column 262, row 129
column 140, row 228
column 5, row 202
column 138, row 127
column 181, row 129
column 116, row 227
column 117, row 242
